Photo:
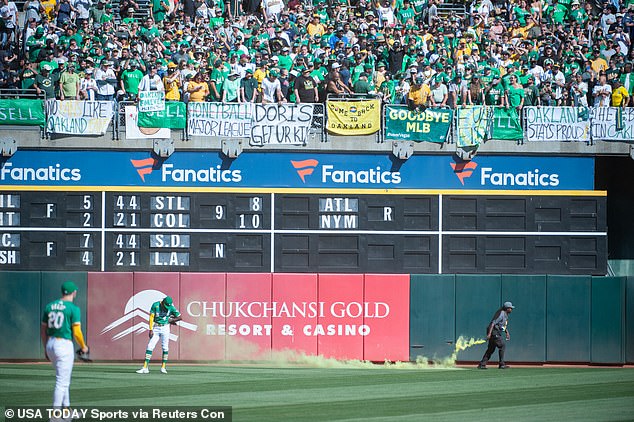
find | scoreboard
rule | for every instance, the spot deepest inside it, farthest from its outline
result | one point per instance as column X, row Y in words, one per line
column 294, row 230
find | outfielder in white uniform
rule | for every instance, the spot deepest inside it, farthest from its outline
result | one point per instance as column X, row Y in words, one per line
column 60, row 323
column 162, row 314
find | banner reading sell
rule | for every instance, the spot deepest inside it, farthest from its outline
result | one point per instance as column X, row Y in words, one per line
column 281, row 124
column 172, row 117
column 79, row 117
column 431, row 125
column 609, row 125
column 557, row 124
column 22, row 112
column 354, row 117
column 506, row 124
column 219, row 119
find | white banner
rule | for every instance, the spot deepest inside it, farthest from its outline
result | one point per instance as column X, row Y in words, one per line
column 557, row 124
column 608, row 125
column 232, row 120
column 79, row 117
column 133, row 131
column 151, row 101
column 277, row 124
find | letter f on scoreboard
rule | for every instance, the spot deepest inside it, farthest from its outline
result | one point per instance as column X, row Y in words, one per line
column 305, row 167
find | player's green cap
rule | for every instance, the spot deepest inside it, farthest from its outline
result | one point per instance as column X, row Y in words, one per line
column 68, row 287
column 167, row 301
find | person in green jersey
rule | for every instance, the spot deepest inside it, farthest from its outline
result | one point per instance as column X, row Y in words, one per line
column 61, row 322
column 162, row 314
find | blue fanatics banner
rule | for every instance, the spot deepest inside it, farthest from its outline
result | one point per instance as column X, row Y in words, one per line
column 294, row 170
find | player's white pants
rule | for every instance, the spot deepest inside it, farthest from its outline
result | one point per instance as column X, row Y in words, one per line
column 60, row 352
column 163, row 333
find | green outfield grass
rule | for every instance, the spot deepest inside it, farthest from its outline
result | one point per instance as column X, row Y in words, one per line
column 301, row 393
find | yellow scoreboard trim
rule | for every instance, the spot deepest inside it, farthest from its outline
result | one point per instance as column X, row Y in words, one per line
column 328, row 191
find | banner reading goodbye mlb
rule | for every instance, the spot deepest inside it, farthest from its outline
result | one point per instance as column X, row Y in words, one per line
column 430, row 125
column 354, row 117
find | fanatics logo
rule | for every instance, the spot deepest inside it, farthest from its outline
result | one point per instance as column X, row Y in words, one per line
column 305, row 167
column 464, row 170
column 144, row 167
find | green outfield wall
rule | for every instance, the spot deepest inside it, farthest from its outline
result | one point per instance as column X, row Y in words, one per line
column 576, row 319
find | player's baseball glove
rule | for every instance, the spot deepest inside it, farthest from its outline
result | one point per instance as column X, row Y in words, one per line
column 84, row 357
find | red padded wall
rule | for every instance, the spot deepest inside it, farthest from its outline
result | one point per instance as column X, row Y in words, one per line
column 337, row 291
column 109, row 328
column 387, row 298
column 253, row 343
column 200, row 295
column 298, row 289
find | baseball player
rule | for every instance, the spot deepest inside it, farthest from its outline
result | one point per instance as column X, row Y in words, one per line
column 60, row 324
column 162, row 314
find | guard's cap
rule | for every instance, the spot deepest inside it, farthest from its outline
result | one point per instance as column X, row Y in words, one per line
column 68, row 287
column 508, row 305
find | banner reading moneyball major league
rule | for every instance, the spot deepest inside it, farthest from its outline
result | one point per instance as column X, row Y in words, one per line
column 219, row 119
column 354, row 117
column 403, row 124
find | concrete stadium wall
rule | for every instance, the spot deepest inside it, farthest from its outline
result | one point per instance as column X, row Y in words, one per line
column 578, row 319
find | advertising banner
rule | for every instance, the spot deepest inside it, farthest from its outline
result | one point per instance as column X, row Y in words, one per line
column 567, row 124
column 200, row 295
column 219, row 119
column 354, row 117
column 151, row 101
column 287, row 334
column 474, row 123
column 506, row 124
column 389, row 335
column 281, row 124
column 612, row 124
column 340, row 318
column 133, row 131
column 22, row 112
column 79, row 117
column 431, row 125
column 110, row 296
column 209, row 170
column 248, row 319
column 255, row 316
column 172, row 117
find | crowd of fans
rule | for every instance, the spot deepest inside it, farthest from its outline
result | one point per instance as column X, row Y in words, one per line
column 500, row 52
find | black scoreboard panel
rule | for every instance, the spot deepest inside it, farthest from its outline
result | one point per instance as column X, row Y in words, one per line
column 479, row 238
column 302, row 232
column 50, row 230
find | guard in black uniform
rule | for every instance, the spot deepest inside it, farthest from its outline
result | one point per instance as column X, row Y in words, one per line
column 498, row 334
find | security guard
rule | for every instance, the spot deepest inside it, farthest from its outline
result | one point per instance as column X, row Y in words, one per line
column 498, row 334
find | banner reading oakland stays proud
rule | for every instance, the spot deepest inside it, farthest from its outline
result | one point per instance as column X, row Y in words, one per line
column 22, row 112
column 354, row 117
column 557, row 124
column 430, row 125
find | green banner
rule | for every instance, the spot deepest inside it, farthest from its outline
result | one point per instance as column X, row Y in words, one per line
column 506, row 124
column 431, row 125
column 474, row 123
column 173, row 117
column 22, row 112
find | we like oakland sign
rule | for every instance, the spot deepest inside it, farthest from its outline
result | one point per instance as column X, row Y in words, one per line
column 296, row 170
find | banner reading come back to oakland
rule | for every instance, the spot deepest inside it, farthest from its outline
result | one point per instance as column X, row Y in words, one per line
column 404, row 124
column 354, row 117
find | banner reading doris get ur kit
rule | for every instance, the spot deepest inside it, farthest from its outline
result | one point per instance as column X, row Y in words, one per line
column 255, row 316
column 354, row 117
